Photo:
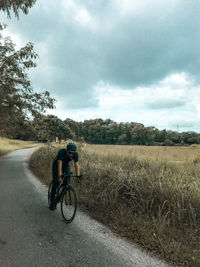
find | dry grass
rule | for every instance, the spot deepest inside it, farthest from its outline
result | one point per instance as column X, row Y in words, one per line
column 141, row 195
column 8, row 145
column 161, row 153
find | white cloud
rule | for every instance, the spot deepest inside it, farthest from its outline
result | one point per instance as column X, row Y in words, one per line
column 84, row 18
column 177, row 80
column 14, row 37
column 130, row 6
column 109, row 96
column 197, row 106
column 138, row 7
column 173, row 88
column 71, row 10
column 133, row 105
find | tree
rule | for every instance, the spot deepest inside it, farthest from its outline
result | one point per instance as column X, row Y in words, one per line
column 18, row 102
column 74, row 126
column 16, row 5
column 48, row 127
column 161, row 136
column 122, row 139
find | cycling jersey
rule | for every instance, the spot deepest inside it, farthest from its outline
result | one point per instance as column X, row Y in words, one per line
column 65, row 158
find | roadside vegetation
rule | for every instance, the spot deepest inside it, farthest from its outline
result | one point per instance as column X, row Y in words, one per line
column 150, row 199
column 8, row 145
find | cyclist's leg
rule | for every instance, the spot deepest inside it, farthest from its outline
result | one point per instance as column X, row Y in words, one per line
column 53, row 192
column 67, row 170
column 54, row 187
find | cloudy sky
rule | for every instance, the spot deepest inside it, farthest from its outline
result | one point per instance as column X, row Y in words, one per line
column 127, row 60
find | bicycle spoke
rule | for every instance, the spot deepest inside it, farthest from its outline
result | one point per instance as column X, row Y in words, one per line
column 69, row 205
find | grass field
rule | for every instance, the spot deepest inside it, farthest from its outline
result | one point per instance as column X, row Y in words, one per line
column 150, row 195
column 161, row 153
column 8, row 145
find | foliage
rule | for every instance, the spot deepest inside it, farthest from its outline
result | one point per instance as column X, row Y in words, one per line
column 17, row 100
column 99, row 131
column 16, row 5
column 49, row 127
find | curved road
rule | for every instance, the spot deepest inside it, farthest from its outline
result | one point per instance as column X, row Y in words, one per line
column 32, row 235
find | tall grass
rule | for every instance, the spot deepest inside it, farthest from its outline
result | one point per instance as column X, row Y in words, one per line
column 9, row 145
column 154, row 203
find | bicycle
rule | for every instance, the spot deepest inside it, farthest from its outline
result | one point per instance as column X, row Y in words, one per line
column 66, row 195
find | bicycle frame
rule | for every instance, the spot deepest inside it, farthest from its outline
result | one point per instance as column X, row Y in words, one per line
column 61, row 188
column 66, row 195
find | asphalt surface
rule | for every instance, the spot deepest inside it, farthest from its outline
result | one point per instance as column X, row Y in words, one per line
column 32, row 235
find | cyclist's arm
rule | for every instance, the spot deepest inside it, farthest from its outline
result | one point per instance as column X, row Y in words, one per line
column 60, row 170
column 76, row 166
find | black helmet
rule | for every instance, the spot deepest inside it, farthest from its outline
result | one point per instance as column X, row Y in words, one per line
column 71, row 147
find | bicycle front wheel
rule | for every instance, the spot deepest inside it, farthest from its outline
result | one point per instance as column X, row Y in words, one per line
column 69, row 204
column 49, row 193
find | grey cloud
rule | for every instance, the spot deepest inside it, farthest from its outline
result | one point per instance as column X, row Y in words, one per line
column 144, row 50
column 165, row 104
column 126, row 51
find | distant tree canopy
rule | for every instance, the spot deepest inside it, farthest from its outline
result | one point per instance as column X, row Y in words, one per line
column 16, row 5
column 99, row 131
column 18, row 101
column 48, row 127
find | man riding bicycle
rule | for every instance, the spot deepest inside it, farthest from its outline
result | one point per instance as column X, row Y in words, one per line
column 61, row 165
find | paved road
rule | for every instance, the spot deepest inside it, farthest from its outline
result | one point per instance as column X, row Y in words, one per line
column 32, row 235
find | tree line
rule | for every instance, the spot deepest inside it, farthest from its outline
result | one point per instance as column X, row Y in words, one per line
column 46, row 128
column 22, row 109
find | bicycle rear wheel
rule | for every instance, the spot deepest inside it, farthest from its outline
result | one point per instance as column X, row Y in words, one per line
column 69, row 204
column 49, row 193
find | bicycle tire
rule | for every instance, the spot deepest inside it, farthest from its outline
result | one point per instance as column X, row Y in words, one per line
column 69, row 204
column 49, row 193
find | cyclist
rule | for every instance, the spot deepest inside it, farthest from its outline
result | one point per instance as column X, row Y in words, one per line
column 61, row 165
